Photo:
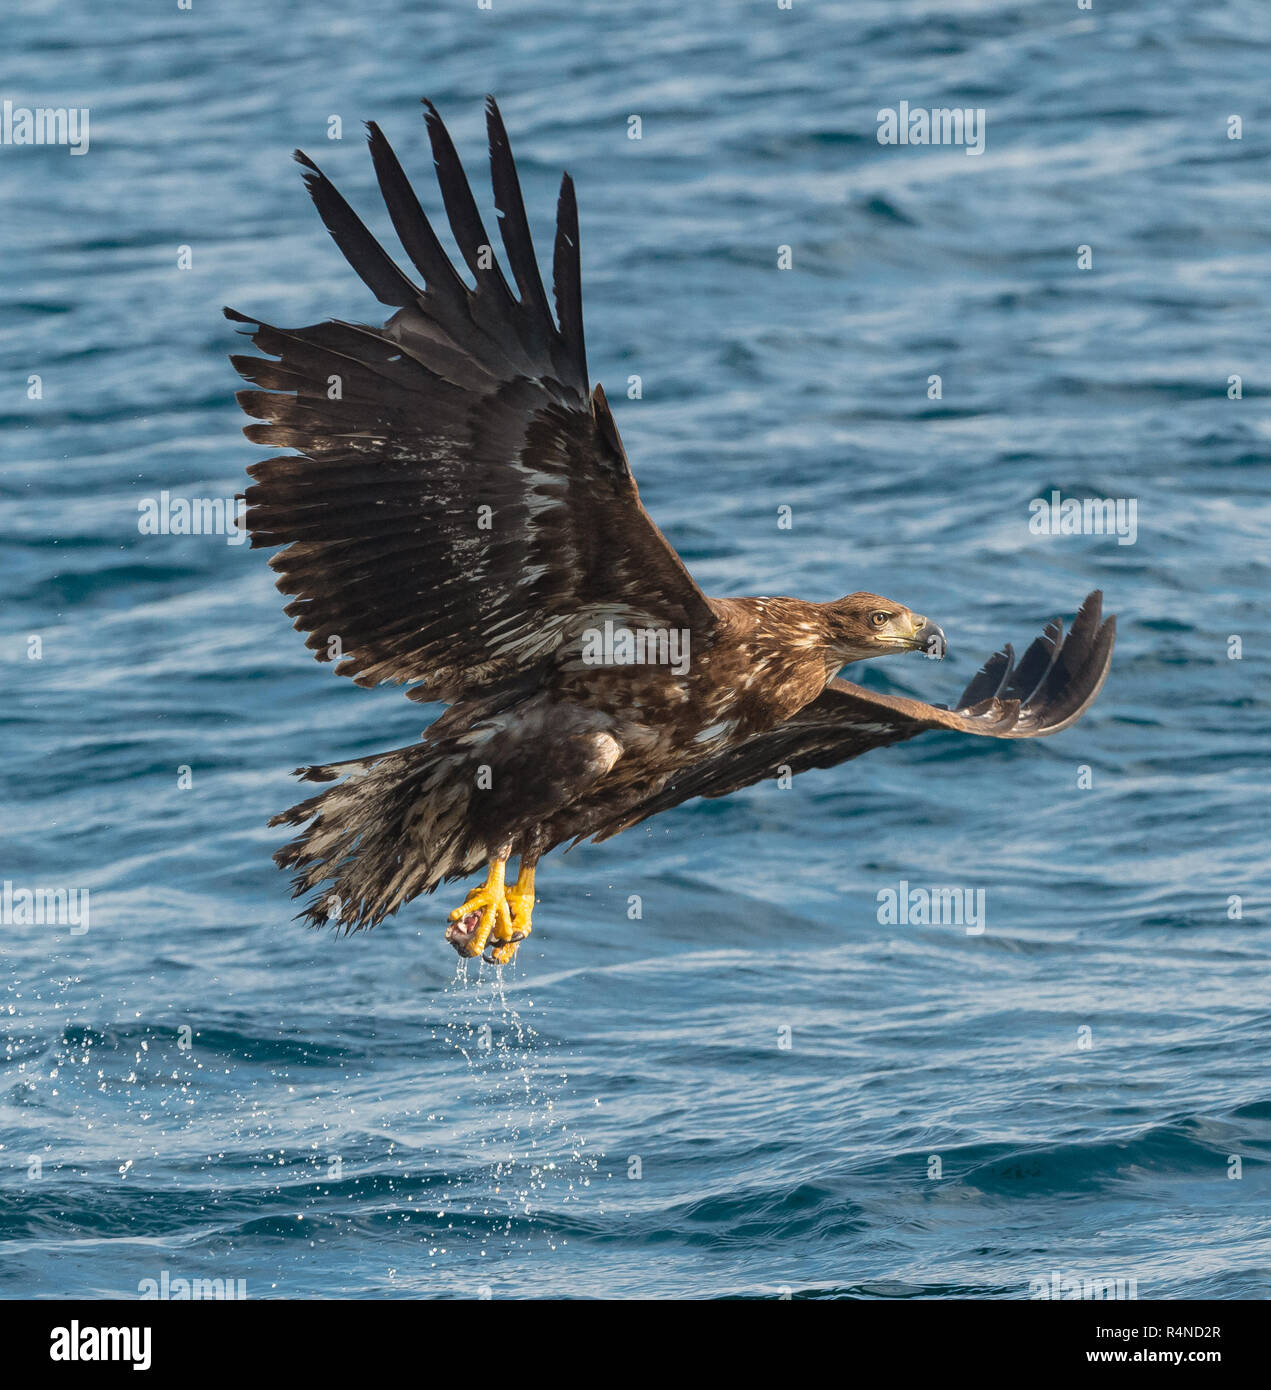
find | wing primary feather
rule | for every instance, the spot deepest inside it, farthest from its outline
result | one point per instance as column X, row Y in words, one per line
column 411, row 224
column 1035, row 663
column 1072, row 654
column 1080, row 693
column 990, row 679
column 567, row 279
column 513, row 223
column 374, row 265
column 1080, row 667
column 461, row 207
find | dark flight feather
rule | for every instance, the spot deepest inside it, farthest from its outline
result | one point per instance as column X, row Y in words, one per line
column 513, row 224
column 413, row 229
column 379, row 274
column 459, row 505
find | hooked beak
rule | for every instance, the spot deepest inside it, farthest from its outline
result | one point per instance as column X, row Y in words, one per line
column 928, row 638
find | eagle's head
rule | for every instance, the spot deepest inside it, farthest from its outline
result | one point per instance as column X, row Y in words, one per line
column 864, row 625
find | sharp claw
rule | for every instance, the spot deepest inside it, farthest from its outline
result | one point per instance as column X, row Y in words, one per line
column 486, row 926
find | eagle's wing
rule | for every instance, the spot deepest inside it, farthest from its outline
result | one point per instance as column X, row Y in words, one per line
column 460, row 505
column 1050, row 688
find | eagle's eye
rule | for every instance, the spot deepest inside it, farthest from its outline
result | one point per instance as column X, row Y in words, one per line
column 879, row 618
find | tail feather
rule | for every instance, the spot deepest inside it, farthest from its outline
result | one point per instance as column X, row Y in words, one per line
column 397, row 825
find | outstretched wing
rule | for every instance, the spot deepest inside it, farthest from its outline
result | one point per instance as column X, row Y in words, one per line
column 1050, row 688
column 460, row 505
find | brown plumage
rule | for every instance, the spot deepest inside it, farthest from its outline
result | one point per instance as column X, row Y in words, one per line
column 459, row 516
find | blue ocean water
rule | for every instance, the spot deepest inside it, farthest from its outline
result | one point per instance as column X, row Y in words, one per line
column 755, row 1087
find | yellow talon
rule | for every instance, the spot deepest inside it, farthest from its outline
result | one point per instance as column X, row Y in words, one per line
column 509, row 933
column 520, row 901
column 489, row 905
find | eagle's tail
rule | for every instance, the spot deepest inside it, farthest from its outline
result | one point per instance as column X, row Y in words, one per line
column 396, row 826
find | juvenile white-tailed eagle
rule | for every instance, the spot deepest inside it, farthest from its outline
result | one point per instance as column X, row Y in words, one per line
column 459, row 516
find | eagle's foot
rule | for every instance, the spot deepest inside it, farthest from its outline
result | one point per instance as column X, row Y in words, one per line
column 503, row 953
column 484, row 913
column 520, row 901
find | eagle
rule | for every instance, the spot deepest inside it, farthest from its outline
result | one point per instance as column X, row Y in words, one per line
column 459, row 517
